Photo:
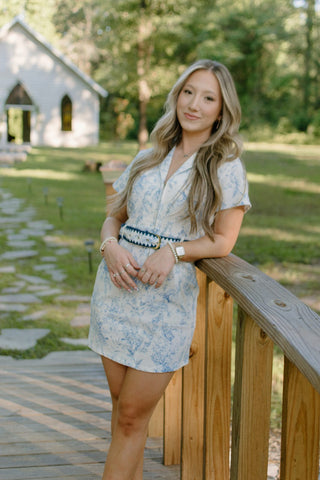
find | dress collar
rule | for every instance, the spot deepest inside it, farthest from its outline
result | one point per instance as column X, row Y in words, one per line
column 165, row 164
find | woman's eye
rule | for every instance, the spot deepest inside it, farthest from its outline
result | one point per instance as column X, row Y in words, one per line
column 187, row 91
column 209, row 99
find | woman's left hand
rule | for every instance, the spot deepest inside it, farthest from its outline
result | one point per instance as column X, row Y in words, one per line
column 157, row 267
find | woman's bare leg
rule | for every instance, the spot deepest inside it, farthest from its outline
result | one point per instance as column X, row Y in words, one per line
column 135, row 395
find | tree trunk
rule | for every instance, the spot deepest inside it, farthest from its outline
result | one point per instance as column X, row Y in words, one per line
column 310, row 11
column 144, row 56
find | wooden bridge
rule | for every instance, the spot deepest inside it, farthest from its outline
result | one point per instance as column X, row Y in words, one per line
column 55, row 413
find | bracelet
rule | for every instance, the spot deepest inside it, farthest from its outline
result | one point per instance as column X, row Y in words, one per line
column 173, row 250
column 105, row 241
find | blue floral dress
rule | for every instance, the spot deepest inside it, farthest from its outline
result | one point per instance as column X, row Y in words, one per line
column 151, row 329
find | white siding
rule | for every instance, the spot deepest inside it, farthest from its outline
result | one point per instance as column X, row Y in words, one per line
column 46, row 79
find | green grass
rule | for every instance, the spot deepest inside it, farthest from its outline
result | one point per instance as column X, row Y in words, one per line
column 280, row 234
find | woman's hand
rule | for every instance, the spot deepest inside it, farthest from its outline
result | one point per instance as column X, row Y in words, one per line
column 121, row 265
column 157, row 267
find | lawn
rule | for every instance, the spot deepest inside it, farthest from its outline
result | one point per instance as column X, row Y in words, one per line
column 280, row 234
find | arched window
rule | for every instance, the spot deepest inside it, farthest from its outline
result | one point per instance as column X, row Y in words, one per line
column 66, row 114
column 18, row 96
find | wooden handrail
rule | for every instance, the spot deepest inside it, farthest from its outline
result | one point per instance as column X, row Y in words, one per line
column 195, row 411
column 291, row 324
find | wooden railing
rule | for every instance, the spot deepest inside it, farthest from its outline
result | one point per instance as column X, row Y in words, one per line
column 195, row 415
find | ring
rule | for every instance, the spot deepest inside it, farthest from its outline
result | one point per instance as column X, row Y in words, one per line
column 142, row 270
column 122, row 272
column 126, row 266
column 115, row 274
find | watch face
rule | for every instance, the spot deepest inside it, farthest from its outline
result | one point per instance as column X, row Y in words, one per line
column 180, row 251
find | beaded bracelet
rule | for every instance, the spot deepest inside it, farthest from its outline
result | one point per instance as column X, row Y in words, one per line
column 105, row 241
column 173, row 250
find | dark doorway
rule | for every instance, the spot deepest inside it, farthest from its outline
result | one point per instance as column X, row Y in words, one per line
column 19, row 106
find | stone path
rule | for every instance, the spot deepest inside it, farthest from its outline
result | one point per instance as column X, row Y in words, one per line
column 25, row 292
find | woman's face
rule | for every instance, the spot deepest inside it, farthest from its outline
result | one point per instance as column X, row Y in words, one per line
column 199, row 103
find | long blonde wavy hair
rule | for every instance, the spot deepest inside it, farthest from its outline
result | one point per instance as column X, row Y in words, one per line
column 224, row 144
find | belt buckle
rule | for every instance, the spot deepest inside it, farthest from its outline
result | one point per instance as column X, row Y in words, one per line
column 159, row 242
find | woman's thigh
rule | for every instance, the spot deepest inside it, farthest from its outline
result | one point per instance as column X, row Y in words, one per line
column 141, row 391
column 115, row 373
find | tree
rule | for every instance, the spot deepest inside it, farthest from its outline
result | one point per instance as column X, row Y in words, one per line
column 37, row 13
column 137, row 44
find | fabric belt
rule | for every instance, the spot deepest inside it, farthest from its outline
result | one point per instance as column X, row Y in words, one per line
column 144, row 238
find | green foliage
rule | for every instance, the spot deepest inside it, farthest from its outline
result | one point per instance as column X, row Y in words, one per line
column 137, row 48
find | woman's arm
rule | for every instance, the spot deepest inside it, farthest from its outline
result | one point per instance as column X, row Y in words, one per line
column 226, row 229
column 121, row 264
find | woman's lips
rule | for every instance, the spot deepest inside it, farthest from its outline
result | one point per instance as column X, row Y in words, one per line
column 191, row 117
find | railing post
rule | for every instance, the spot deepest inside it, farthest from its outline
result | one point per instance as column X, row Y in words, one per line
column 156, row 422
column 193, row 395
column 172, row 421
column 251, row 402
column 300, row 427
column 218, row 383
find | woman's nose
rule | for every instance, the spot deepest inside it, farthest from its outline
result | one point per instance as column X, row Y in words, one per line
column 194, row 103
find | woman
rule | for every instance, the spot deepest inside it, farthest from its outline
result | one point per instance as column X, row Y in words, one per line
column 178, row 202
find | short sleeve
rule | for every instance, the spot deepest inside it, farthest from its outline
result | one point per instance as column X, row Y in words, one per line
column 234, row 185
column 121, row 182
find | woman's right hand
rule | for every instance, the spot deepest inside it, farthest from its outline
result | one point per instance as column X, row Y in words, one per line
column 121, row 265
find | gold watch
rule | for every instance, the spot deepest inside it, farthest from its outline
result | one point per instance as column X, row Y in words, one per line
column 180, row 251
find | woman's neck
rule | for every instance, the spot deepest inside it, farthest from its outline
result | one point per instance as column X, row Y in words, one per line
column 190, row 144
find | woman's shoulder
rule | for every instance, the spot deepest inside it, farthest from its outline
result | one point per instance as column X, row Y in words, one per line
column 231, row 167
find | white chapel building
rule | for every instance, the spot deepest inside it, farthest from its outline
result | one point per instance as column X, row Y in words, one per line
column 44, row 98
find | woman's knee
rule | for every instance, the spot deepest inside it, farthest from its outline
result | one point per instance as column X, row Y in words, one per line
column 131, row 418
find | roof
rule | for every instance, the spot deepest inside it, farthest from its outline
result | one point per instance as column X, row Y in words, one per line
column 53, row 51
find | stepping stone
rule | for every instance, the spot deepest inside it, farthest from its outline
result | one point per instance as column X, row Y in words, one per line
column 21, row 243
column 54, row 242
column 40, row 225
column 80, row 321
column 8, row 269
column 37, row 288
column 21, row 339
column 5, row 194
column 62, row 251
column 19, row 298
column 35, row 315
column 75, row 341
column 50, row 292
column 11, row 290
column 10, row 220
column 48, row 259
column 7, row 307
column 73, row 298
column 82, row 317
column 33, row 233
column 32, row 279
column 57, row 276
column 84, row 308
column 45, row 267
column 17, row 237
column 16, row 255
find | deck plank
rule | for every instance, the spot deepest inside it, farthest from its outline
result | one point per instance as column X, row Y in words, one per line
column 55, row 421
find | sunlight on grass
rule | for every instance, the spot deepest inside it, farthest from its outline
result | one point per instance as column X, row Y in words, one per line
column 304, row 150
column 47, row 174
column 284, row 182
column 283, row 235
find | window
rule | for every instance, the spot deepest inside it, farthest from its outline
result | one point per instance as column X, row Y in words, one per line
column 18, row 96
column 66, row 114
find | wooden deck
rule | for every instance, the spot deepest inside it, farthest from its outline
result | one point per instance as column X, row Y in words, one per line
column 55, row 420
